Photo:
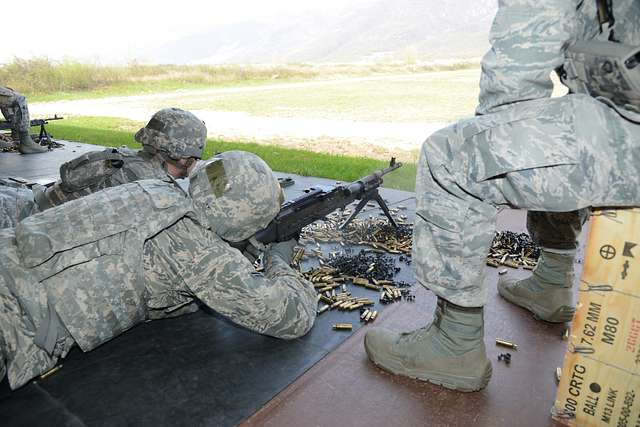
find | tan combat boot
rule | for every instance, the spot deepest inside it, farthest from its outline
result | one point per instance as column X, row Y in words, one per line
column 449, row 352
column 547, row 293
column 27, row 146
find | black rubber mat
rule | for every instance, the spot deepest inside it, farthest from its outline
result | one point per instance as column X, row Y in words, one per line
column 197, row 369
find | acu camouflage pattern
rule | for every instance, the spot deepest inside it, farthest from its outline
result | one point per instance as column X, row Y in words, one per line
column 138, row 252
column 523, row 150
column 175, row 133
column 14, row 109
column 16, row 203
column 98, row 170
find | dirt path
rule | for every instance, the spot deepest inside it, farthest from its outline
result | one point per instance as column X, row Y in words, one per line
column 346, row 136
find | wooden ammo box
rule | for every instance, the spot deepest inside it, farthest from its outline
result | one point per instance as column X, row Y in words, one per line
column 600, row 381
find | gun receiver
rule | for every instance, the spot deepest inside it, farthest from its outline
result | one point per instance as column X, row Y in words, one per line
column 4, row 125
column 318, row 202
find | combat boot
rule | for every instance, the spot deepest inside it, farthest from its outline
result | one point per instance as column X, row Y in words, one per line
column 27, row 146
column 547, row 293
column 449, row 352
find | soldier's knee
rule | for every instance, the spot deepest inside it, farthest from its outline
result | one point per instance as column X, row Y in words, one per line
column 437, row 147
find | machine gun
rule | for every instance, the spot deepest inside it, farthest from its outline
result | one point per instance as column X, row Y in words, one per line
column 318, row 202
column 43, row 136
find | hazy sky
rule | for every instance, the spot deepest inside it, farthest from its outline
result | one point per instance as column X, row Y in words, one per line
column 115, row 30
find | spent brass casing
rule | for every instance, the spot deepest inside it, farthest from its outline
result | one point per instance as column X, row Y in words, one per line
column 374, row 315
column 360, row 281
column 50, row 372
column 506, row 344
column 323, row 309
column 342, row 327
column 511, row 264
column 326, row 300
column 368, row 316
column 364, row 314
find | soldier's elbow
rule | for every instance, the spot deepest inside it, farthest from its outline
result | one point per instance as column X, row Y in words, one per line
column 300, row 327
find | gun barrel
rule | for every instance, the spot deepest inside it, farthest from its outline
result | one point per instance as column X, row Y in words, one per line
column 373, row 180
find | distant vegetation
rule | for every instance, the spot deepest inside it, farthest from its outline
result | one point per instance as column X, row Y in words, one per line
column 115, row 132
column 42, row 79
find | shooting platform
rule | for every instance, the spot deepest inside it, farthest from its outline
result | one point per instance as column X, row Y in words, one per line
column 200, row 369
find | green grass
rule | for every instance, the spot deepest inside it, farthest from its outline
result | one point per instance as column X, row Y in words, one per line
column 427, row 97
column 114, row 132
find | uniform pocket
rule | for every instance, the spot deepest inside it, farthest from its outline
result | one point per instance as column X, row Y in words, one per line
column 529, row 135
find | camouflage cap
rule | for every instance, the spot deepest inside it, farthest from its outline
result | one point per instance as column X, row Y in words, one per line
column 174, row 132
column 237, row 193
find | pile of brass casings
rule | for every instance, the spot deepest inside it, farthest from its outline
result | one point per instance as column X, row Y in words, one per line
column 513, row 250
column 375, row 232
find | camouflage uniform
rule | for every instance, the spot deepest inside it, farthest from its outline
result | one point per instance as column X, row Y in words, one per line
column 523, row 150
column 16, row 203
column 14, row 108
column 141, row 251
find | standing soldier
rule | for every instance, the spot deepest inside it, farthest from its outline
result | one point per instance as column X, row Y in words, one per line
column 14, row 108
column 528, row 151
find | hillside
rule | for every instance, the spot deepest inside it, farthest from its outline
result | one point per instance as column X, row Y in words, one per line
column 399, row 30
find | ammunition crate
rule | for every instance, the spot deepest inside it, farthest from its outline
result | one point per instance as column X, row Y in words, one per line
column 600, row 381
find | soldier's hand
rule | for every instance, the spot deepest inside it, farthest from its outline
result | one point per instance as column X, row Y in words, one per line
column 283, row 249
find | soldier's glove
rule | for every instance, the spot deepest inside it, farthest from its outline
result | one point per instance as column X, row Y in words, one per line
column 282, row 249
